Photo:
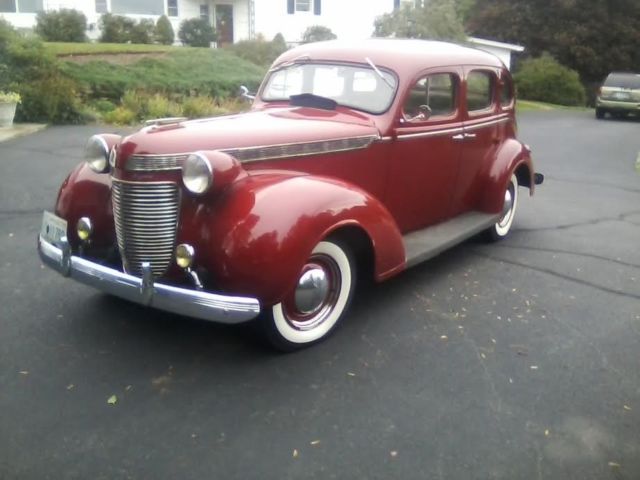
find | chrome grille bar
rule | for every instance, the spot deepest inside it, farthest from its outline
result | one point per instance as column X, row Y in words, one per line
column 154, row 163
column 146, row 217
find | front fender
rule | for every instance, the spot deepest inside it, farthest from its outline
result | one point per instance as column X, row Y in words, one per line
column 257, row 235
column 512, row 157
column 87, row 193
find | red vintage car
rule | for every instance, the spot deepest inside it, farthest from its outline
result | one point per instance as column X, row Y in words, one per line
column 354, row 158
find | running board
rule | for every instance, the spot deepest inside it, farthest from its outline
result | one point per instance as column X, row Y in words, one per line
column 424, row 244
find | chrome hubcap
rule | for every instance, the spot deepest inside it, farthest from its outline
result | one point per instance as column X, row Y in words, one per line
column 508, row 205
column 312, row 290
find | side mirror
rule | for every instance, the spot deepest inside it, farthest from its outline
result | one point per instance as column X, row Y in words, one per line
column 244, row 93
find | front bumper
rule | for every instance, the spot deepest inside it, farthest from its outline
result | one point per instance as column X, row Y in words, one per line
column 183, row 301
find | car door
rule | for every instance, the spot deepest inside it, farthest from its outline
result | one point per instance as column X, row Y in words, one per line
column 483, row 126
column 426, row 150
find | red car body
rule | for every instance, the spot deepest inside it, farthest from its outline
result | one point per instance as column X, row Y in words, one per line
column 287, row 175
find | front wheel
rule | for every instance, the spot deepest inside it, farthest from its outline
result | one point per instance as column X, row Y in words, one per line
column 501, row 228
column 319, row 301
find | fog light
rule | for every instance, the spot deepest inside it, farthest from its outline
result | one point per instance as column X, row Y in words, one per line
column 84, row 229
column 184, row 255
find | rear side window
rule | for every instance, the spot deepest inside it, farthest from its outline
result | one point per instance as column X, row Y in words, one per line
column 506, row 96
column 623, row 80
column 480, row 90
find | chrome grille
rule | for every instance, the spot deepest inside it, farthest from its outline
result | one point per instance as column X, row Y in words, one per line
column 154, row 163
column 146, row 217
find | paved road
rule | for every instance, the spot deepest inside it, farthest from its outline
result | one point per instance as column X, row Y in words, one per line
column 508, row 361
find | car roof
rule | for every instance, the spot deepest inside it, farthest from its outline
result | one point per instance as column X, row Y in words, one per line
column 401, row 55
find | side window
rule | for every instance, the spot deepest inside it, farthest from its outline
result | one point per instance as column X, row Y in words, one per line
column 480, row 90
column 506, row 97
column 431, row 96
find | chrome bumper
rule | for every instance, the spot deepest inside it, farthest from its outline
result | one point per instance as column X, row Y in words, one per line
column 183, row 301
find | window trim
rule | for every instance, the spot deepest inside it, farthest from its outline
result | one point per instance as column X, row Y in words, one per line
column 434, row 119
column 170, row 7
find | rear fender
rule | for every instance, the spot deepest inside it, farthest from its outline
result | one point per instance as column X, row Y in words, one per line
column 513, row 157
column 255, row 238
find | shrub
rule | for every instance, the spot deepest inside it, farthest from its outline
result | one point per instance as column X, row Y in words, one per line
column 164, row 31
column 196, row 32
column 198, row 106
column 317, row 33
column 61, row 26
column 142, row 32
column 159, row 106
column 259, row 51
column 115, row 28
column 120, row 116
column 53, row 98
column 545, row 80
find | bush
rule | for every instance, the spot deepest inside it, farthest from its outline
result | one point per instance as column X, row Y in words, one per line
column 259, row 51
column 317, row 33
column 160, row 106
column 545, row 80
column 61, row 26
column 196, row 32
column 142, row 32
column 115, row 28
column 120, row 116
column 53, row 98
column 164, row 31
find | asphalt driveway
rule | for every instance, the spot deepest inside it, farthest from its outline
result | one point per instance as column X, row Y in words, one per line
column 504, row 361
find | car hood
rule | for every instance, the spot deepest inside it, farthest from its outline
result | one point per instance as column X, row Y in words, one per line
column 252, row 130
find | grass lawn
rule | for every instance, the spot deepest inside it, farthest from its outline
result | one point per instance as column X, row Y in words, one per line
column 60, row 49
column 528, row 106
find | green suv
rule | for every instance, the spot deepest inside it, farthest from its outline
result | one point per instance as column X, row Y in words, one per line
column 619, row 95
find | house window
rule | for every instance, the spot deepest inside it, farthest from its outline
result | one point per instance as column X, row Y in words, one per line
column 204, row 13
column 101, row 6
column 303, row 5
column 8, row 6
column 172, row 8
column 139, row 7
column 29, row 6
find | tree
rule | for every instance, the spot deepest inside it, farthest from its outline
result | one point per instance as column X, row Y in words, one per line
column 164, row 31
column 318, row 33
column 593, row 37
column 61, row 26
column 428, row 19
column 196, row 32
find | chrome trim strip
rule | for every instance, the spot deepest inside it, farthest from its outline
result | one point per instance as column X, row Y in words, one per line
column 434, row 133
column 288, row 150
column 182, row 301
column 475, row 126
column 154, row 163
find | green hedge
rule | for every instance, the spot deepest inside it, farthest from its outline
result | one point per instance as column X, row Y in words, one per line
column 545, row 80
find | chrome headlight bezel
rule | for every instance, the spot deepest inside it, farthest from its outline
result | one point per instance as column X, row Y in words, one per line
column 96, row 154
column 197, row 174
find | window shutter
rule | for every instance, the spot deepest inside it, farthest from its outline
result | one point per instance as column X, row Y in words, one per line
column 317, row 7
column 396, row 4
column 291, row 7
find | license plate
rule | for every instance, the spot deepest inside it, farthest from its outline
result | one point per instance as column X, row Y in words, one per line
column 53, row 227
column 622, row 95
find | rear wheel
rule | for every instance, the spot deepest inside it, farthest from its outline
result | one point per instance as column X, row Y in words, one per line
column 502, row 227
column 600, row 113
column 319, row 301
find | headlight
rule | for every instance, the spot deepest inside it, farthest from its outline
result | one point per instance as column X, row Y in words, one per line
column 197, row 174
column 96, row 153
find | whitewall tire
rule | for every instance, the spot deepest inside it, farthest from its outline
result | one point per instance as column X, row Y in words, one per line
column 322, row 295
column 502, row 227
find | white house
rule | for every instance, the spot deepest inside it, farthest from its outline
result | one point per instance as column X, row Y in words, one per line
column 237, row 20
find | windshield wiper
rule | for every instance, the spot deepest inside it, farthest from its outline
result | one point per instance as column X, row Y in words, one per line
column 377, row 70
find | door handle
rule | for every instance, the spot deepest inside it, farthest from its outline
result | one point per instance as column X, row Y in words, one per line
column 458, row 138
column 469, row 135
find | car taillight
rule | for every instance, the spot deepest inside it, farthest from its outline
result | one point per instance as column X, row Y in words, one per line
column 599, row 91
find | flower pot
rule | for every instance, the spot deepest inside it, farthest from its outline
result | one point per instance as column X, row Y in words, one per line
column 7, row 112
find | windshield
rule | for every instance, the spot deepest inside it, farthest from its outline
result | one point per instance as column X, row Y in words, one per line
column 359, row 87
column 623, row 80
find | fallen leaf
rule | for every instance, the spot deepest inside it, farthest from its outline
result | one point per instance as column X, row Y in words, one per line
column 444, row 337
column 315, row 442
column 546, row 433
column 351, row 374
column 24, row 372
column 70, row 386
column 295, row 453
column 533, row 367
column 127, row 388
column 393, row 453
column 627, row 408
column 483, row 355
column 112, row 400
column 511, row 380
column 614, row 465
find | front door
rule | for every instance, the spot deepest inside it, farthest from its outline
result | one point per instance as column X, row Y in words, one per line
column 224, row 24
column 426, row 151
